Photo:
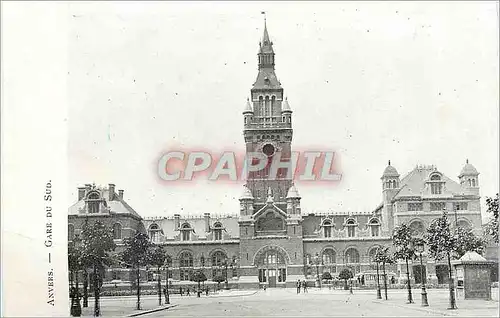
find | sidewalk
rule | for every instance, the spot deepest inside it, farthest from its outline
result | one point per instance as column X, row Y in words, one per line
column 120, row 307
column 439, row 301
column 125, row 305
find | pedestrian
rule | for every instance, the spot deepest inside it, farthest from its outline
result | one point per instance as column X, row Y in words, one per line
column 298, row 286
column 206, row 291
column 188, row 293
column 181, row 291
column 165, row 293
column 304, row 286
column 393, row 280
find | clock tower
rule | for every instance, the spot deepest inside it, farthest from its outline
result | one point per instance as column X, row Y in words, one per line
column 268, row 129
column 270, row 222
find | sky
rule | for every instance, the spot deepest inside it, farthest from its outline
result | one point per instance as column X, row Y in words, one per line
column 413, row 82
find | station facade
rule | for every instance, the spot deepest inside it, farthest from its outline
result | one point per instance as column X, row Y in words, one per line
column 271, row 241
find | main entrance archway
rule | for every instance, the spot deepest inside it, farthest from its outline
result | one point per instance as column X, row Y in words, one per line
column 271, row 262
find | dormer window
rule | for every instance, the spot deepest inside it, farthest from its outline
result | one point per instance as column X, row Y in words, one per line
column 327, row 228
column 436, row 184
column 217, row 231
column 154, row 233
column 375, row 227
column 93, row 202
column 351, row 228
column 186, row 232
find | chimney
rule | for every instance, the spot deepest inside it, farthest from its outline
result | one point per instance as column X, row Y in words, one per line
column 81, row 193
column 206, row 216
column 177, row 221
column 120, row 194
column 111, row 188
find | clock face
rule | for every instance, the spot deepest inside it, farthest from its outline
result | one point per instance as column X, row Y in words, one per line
column 268, row 150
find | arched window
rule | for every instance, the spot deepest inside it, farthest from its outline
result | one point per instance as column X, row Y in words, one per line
column 417, row 228
column 71, row 232
column 217, row 231
column 186, row 264
column 186, row 232
column 273, row 103
column 218, row 258
column 327, row 228
column 93, row 202
column 261, row 106
column 351, row 228
column 372, row 253
column 352, row 256
column 375, row 227
column 329, row 256
column 464, row 224
column 154, row 232
column 267, row 106
column 435, row 177
column 117, row 231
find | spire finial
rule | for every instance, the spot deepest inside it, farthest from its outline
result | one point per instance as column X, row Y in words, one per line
column 466, row 160
column 389, row 162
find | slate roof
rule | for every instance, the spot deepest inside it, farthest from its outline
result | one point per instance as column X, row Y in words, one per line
column 116, row 206
column 414, row 184
column 266, row 79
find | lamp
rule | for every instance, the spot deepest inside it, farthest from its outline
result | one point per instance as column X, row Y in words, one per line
column 419, row 247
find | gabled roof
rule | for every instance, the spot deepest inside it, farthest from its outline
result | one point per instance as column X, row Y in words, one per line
column 266, row 79
column 116, row 206
column 414, row 184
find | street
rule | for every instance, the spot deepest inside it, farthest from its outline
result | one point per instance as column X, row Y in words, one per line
column 326, row 303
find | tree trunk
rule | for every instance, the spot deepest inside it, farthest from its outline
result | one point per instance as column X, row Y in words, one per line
column 138, row 289
column 453, row 304
column 77, row 286
column 159, row 287
column 379, row 296
column 85, row 287
column 97, row 309
column 385, row 280
column 410, row 298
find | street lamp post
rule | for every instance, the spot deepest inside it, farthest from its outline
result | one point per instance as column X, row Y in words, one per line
column 225, row 265
column 316, row 258
column 379, row 294
column 419, row 246
column 167, row 296
column 385, row 279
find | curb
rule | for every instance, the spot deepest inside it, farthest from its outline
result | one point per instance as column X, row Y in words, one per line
column 419, row 308
column 151, row 311
column 240, row 295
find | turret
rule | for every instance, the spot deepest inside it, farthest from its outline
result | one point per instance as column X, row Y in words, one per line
column 286, row 113
column 390, row 186
column 246, row 202
column 469, row 178
column 293, row 201
column 248, row 113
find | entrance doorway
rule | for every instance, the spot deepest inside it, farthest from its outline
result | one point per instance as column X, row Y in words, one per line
column 272, row 268
column 272, row 278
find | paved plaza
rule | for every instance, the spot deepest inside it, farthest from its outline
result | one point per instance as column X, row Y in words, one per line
column 285, row 302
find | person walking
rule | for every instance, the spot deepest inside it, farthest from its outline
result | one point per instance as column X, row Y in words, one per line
column 188, row 293
column 298, row 286
column 304, row 286
column 165, row 294
column 181, row 291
